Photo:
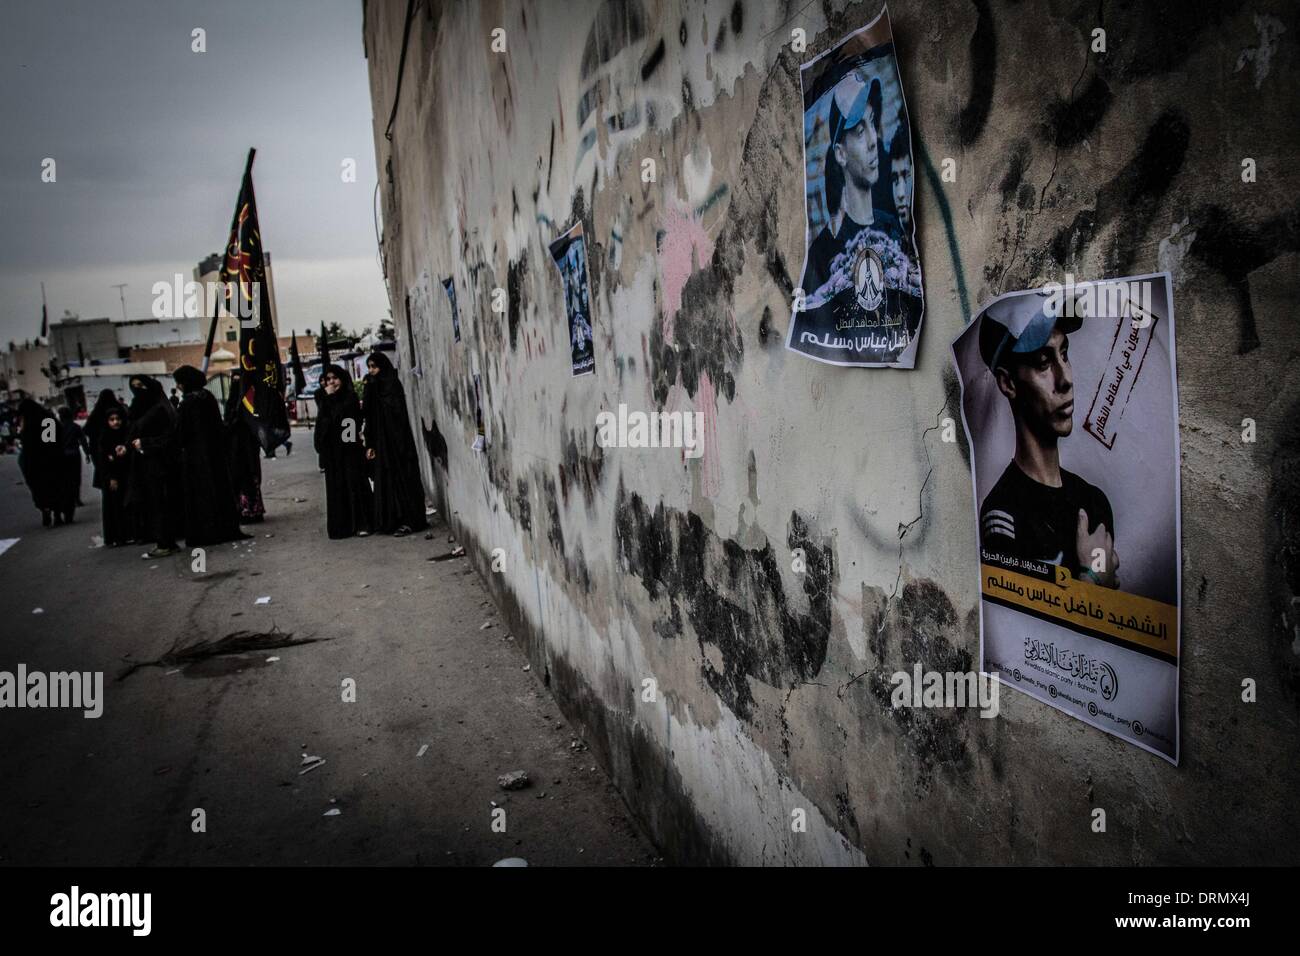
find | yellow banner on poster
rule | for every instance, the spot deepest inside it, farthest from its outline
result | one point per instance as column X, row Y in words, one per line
column 1081, row 604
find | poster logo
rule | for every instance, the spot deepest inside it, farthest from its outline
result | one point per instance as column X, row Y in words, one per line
column 869, row 279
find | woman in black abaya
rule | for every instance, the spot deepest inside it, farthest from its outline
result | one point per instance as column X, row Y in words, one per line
column 112, row 470
column 390, row 447
column 154, row 487
column 211, row 516
column 106, row 402
column 349, row 503
column 74, row 444
column 41, row 461
column 244, row 458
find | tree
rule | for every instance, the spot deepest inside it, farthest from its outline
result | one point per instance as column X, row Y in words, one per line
column 339, row 337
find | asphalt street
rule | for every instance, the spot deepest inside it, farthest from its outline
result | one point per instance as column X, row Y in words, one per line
column 443, row 705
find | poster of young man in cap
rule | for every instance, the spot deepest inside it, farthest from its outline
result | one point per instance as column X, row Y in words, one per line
column 1070, row 404
column 570, row 254
column 859, row 299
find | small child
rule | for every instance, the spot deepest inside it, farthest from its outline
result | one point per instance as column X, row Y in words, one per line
column 114, row 465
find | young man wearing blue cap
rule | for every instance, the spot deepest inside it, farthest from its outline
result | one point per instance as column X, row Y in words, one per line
column 852, row 168
column 1038, row 510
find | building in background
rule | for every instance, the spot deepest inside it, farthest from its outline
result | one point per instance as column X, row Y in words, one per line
column 24, row 371
column 86, row 355
column 146, row 333
column 80, row 386
column 78, row 341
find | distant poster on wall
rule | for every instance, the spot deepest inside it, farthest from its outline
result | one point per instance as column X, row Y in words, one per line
column 480, row 433
column 570, row 254
column 859, row 299
column 449, row 286
column 1070, row 404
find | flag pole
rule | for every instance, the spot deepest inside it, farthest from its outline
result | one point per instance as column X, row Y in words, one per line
column 216, row 307
column 212, row 331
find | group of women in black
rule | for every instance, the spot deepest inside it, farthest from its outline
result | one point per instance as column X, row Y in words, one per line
column 169, row 471
column 363, row 441
column 165, row 468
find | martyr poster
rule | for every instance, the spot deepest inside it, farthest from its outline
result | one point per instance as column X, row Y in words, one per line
column 570, row 254
column 1070, row 404
column 859, row 300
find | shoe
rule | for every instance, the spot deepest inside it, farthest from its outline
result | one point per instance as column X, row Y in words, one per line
column 159, row 553
column 402, row 532
column 363, row 534
column 288, row 448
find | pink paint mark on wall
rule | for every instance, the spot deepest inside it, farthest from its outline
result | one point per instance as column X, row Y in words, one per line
column 685, row 248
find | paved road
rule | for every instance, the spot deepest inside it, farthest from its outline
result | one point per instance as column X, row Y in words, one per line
column 227, row 733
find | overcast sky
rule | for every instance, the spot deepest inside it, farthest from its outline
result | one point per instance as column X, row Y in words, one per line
column 150, row 139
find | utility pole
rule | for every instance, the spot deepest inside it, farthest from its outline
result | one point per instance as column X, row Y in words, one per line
column 119, row 287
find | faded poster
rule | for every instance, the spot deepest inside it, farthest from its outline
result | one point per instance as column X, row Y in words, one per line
column 859, row 300
column 1069, row 398
column 480, row 433
column 449, row 286
column 570, row 254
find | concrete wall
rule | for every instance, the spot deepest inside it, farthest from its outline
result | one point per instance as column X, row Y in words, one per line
column 146, row 333
column 624, row 564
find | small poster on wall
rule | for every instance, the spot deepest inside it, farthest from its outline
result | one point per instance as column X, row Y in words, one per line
column 859, row 299
column 449, row 286
column 570, row 254
column 1070, row 404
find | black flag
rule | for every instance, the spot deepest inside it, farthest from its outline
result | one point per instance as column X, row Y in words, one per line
column 299, row 380
column 243, row 278
column 324, row 348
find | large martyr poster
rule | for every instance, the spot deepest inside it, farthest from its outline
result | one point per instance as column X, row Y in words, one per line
column 1069, row 399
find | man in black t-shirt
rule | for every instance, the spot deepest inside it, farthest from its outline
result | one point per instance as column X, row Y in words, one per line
column 851, row 170
column 1038, row 510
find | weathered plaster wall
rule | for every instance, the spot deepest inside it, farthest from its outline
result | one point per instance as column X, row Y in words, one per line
column 627, row 564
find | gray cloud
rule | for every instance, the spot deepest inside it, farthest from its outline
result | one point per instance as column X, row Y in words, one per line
column 150, row 140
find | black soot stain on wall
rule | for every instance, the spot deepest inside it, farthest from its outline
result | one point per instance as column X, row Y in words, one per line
column 581, row 468
column 732, row 596
column 1132, row 197
column 923, row 627
column 516, row 275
